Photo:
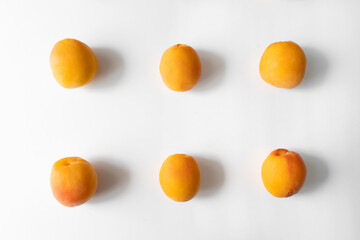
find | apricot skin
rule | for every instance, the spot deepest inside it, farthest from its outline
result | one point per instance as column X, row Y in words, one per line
column 73, row 181
column 180, row 68
column 73, row 63
column 180, row 177
column 283, row 64
column 283, row 173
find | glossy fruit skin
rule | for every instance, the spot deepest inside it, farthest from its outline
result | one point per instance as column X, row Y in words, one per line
column 283, row 173
column 73, row 181
column 283, row 65
column 180, row 177
column 180, row 68
column 73, row 63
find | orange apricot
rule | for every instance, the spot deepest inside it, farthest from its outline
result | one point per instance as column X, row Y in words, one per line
column 283, row 173
column 73, row 63
column 73, row 181
column 180, row 177
column 180, row 68
column 283, row 64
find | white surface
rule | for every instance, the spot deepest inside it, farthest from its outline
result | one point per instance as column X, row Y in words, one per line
column 126, row 122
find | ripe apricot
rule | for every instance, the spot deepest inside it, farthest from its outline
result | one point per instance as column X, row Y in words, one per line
column 72, row 63
column 180, row 67
column 73, row 181
column 283, row 173
column 283, row 64
column 180, row 177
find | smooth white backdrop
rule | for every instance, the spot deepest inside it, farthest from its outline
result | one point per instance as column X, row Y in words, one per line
column 126, row 122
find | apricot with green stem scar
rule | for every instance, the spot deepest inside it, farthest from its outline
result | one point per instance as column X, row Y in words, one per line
column 180, row 68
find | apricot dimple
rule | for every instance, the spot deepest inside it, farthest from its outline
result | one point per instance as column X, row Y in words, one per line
column 283, row 64
column 72, row 63
column 280, row 152
column 180, row 177
column 283, row 173
column 180, row 68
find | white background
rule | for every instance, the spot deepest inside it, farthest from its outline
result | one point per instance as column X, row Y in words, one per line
column 126, row 122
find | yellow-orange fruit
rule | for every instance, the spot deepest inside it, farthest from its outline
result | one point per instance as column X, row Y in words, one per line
column 180, row 67
column 283, row 64
column 73, row 181
column 180, row 177
column 72, row 63
column 283, row 173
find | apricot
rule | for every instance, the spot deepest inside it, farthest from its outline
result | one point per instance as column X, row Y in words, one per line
column 73, row 63
column 283, row 173
column 180, row 68
column 180, row 177
column 283, row 64
column 73, row 181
